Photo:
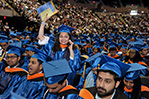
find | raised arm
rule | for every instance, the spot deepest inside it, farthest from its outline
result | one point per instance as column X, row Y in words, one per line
column 41, row 30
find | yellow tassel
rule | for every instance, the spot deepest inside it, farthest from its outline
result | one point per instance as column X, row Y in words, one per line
column 84, row 86
column 84, row 70
column 2, row 56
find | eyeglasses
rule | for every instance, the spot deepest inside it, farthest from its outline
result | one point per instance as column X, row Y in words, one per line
column 11, row 57
column 3, row 45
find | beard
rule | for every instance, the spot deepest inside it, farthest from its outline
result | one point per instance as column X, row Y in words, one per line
column 104, row 92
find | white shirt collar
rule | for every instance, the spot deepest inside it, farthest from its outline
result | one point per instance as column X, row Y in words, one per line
column 97, row 97
column 13, row 66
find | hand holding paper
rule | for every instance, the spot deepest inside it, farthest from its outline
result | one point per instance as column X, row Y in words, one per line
column 47, row 10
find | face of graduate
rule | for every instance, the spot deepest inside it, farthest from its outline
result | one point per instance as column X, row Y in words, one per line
column 29, row 53
column 96, row 50
column 64, row 38
column 12, row 59
column 123, row 50
column 4, row 45
column 106, row 84
column 55, row 88
column 128, row 84
column 113, row 53
column 34, row 66
column 132, row 53
column 144, row 51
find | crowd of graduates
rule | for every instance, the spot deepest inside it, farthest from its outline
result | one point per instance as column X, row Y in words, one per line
column 75, row 54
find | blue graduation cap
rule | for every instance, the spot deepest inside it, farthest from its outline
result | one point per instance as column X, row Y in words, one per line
column 93, row 57
column 135, row 71
column 78, row 42
column 40, row 55
column 16, row 49
column 19, row 33
column 3, row 39
column 124, row 46
column 31, row 47
column 102, row 40
column 118, row 67
column 58, row 70
column 64, row 28
column 24, row 41
column 96, row 46
column 134, row 48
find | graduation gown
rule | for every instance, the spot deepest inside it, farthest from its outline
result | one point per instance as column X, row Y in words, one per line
column 31, row 87
column 68, row 92
column 89, row 80
column 90, row 93
column 74, row 63
column 10, row 76
column 144, row 92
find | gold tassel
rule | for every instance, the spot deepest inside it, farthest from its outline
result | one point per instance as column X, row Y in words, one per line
column 2, row 56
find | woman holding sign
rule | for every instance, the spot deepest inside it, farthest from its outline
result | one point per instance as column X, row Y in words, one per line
column 62, row 48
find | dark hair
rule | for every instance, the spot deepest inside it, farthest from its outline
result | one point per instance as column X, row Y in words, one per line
column 56, row 46
column 136, row 92
column 116, row 77
column 61, row 82
column 137, row 58
column 40, row 62
column 112, row 49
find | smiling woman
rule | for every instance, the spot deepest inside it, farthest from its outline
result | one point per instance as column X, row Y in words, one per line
column 62, row 48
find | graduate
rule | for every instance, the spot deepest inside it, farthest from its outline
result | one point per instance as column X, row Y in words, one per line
column 4, row 43
column 89, row 75
column 31, row 86
column 113, row 52
column 63, row 48
column 14, row 70
column 56, row 81
column 131, row 84
column 107, row 81
column 133, row 56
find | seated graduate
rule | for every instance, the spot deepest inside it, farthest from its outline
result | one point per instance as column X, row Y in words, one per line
column 4, row 43
column 123, row 52
column 56, row 81
column 113, row 52
column 13, row 71
column 108, row 80
column 131, row 84
column 31, row 86
column 89, row 75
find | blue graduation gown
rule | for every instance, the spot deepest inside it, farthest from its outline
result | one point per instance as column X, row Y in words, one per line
column 31, row 89
column 9, row 76
column 75, row 63
column 68, row 96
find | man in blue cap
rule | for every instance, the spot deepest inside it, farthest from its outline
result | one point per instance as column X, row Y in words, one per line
column 30, row 86
column 14, row 70
column 56, row 81
column 108, row 80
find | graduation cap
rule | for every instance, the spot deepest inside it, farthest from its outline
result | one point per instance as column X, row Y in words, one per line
column 78, row 42
column 118, row 67
column 3, row 39
column 135, row 71
column 24, row 41
column 40, row 55
column 16, row 49
column 31, row 47
column 58, row 70
column 64, row 28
